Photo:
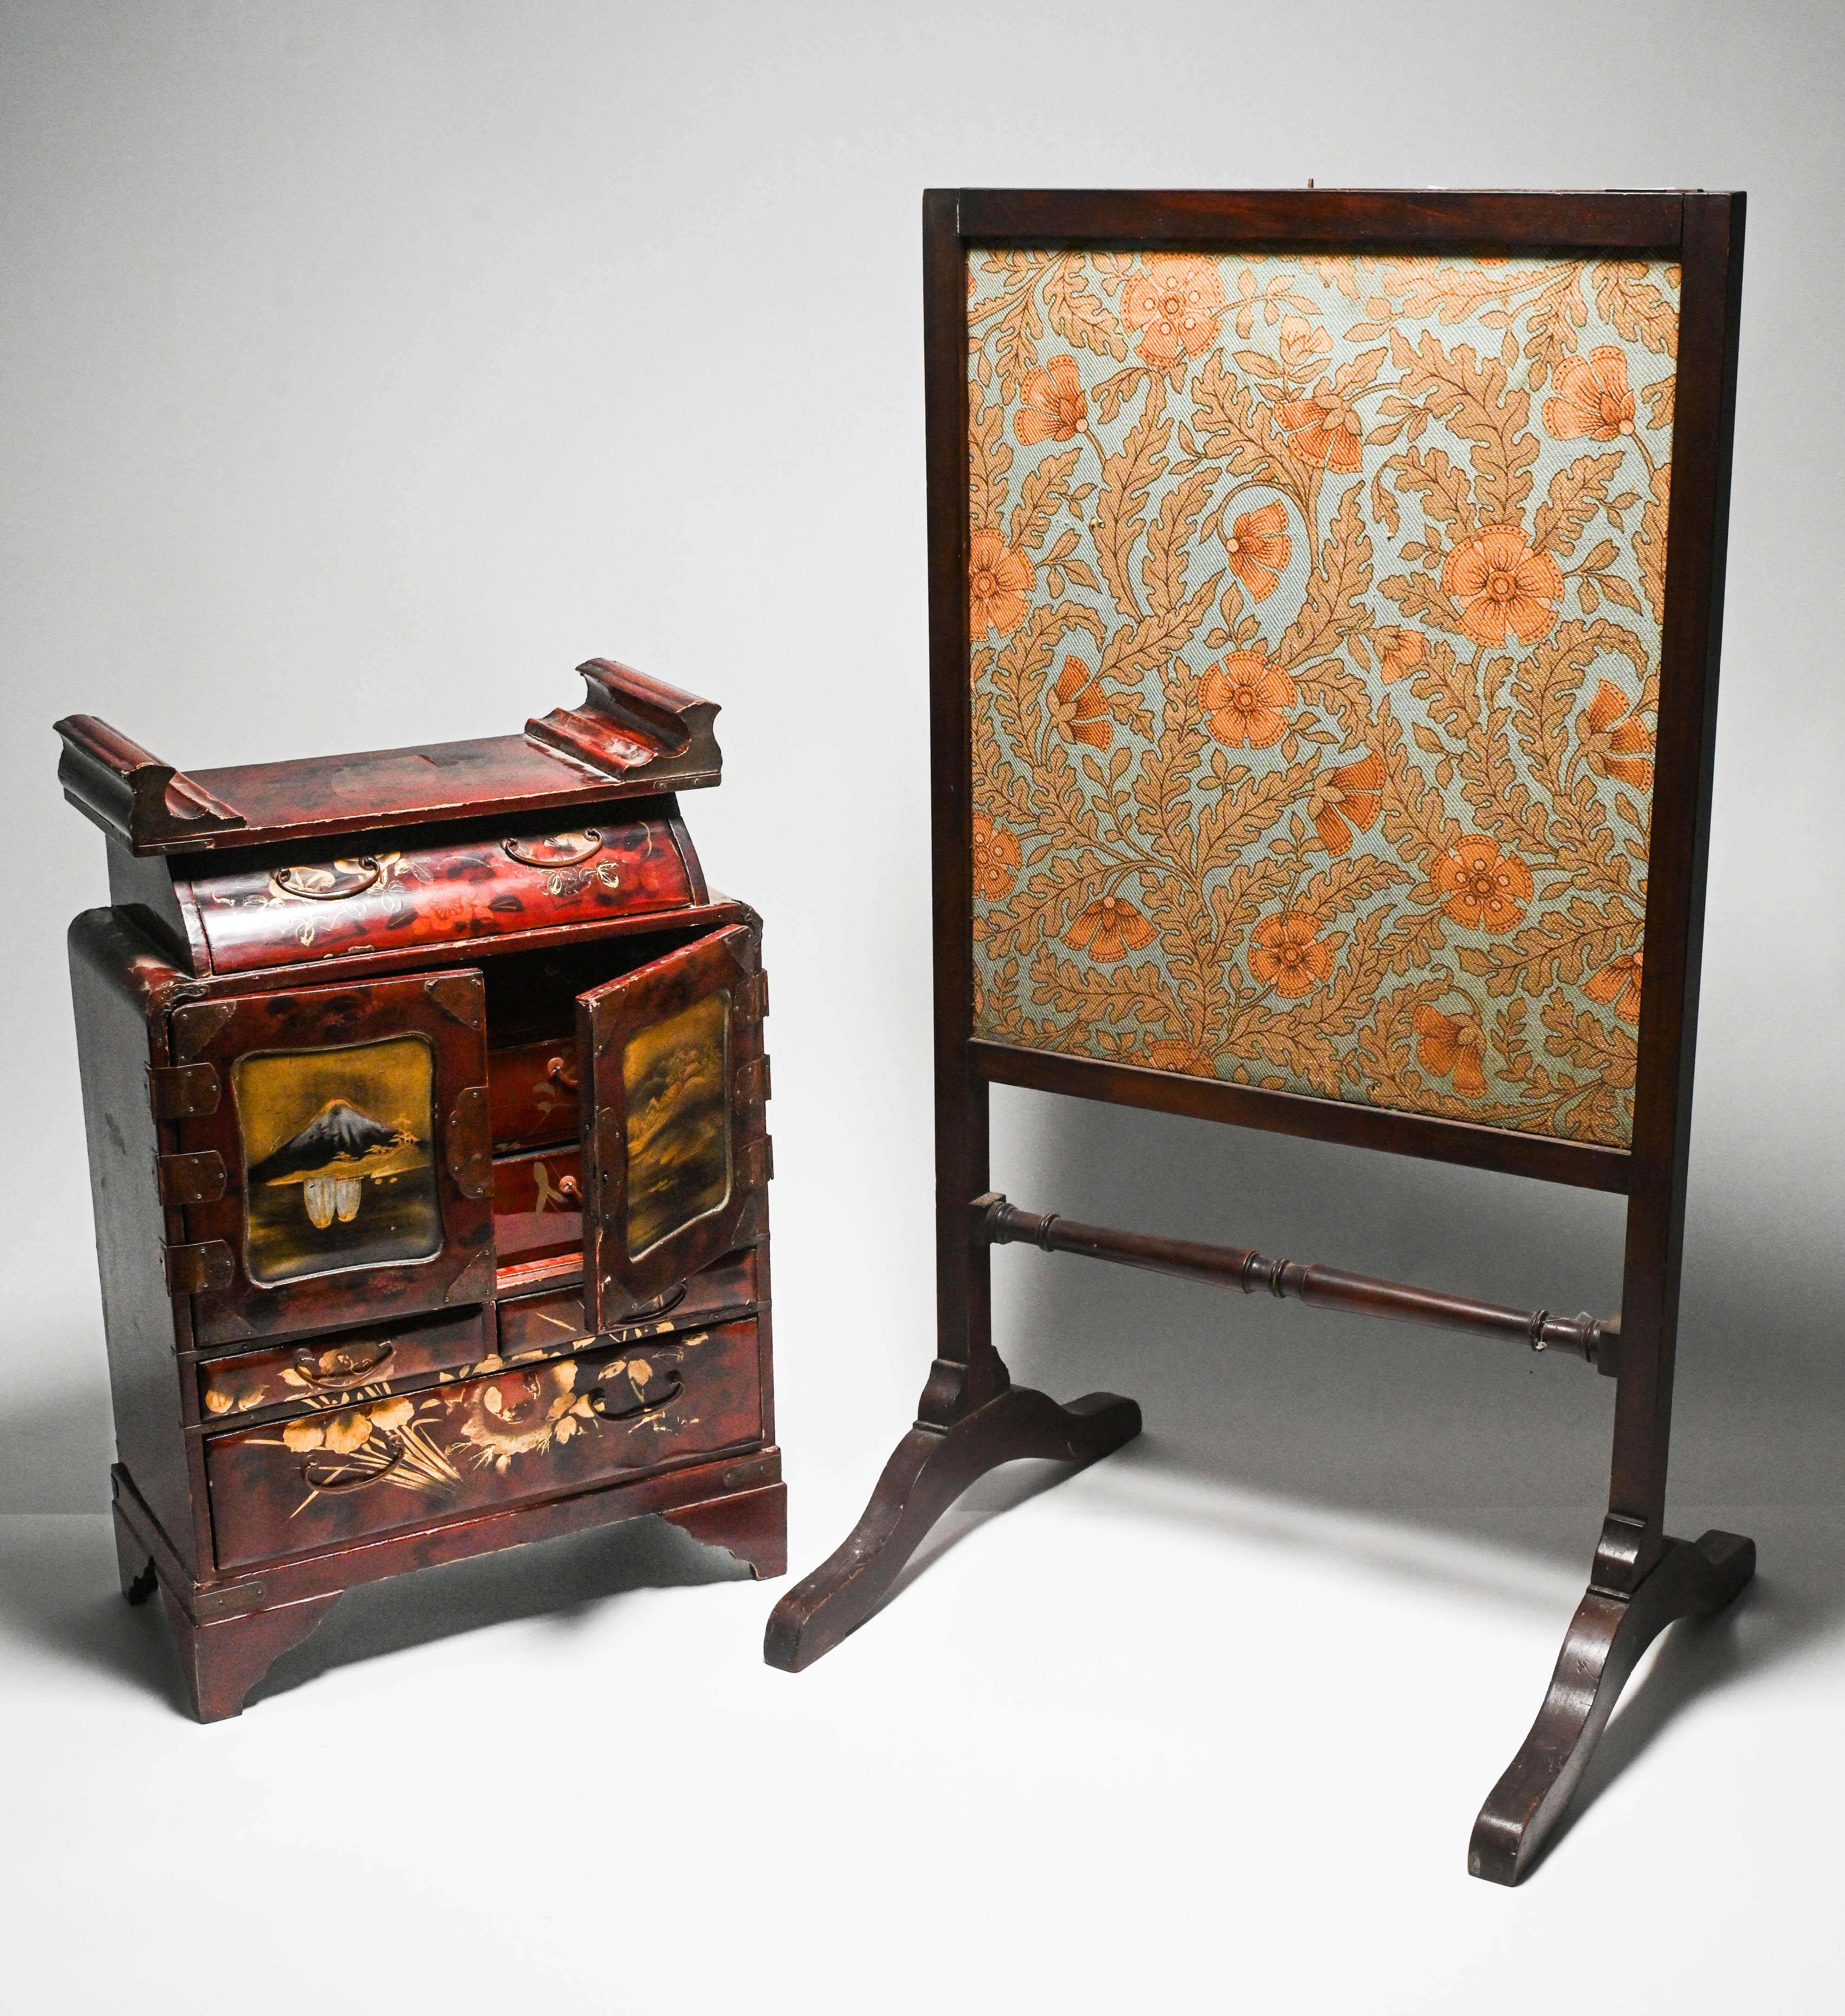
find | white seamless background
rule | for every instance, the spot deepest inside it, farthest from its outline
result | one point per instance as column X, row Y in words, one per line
column 363, row 368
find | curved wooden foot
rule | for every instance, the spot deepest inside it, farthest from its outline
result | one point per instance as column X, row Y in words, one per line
column 1606, row 1637
column 928, row 1470
column 225, row 1659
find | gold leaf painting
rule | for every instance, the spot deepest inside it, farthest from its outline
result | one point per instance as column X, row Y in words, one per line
column 1314, row 607
column 338, row 1167
column 674, row 1077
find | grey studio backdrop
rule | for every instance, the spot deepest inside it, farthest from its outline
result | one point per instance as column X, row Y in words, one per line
column 366, row 366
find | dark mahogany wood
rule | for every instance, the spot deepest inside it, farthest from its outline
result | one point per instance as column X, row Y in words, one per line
column 753, row 1526
column 300, row 1409
column 1539, row 1155
column 1704, row 233
column 1242, row 1268
column 1487, row 220
column 1605, row 1639
column 929, row 1470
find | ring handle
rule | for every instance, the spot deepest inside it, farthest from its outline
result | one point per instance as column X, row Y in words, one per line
column 358, row 1480
column 310, row 1365
column 557, row 850
column 640, row 1407
column 560, row 1074
column 328, row 885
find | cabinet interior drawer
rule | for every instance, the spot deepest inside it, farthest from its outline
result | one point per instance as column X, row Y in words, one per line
column 552, row 1321
column 537, row 1203
column 515, row 1434
column 328, row 1371
column 531, row 1091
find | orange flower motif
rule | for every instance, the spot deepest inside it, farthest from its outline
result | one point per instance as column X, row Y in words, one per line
column 1502, row 585
column 1245, row 696
column 1346, row 797
column 998, row 581
column 1285, row 952
column 1592, row 397
column 1109, row 929
column 1452, row 1047
column 995, row 858
column 1401, row 651
column 1323, row 430
column 1618, row 981
column 1484, row 889
column 1259, row 547
column 1177, row 301
column 1055, row 406
column 1616, row 742
column 1079, row 707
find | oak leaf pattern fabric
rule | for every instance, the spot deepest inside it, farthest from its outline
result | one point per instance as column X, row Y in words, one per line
column 1314, row 613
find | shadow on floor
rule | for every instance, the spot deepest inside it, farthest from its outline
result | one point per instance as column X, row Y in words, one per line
column 59, row 1595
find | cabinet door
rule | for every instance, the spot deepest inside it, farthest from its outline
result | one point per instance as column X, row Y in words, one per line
column 344, row 1170
column 674, row 1157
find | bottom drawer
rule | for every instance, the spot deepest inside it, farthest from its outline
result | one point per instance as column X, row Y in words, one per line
column 516, row 1434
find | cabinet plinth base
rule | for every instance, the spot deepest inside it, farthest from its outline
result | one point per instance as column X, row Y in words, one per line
column 230, row 1632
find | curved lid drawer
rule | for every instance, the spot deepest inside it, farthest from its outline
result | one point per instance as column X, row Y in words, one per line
column 319, row 905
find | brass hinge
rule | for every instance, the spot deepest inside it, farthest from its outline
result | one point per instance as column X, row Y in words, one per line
column 752, row 1080
column 753, row 994
column 758, row 1162
column 458, row 997
column 202, row 1269
column 198, row 1178
column 182, row 1091
column 470, row 1142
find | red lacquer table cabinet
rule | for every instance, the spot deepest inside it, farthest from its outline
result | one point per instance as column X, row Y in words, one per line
column 425, row 1094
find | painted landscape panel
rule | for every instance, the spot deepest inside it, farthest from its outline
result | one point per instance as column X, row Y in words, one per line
column 337, row 1153
column 674, row 1073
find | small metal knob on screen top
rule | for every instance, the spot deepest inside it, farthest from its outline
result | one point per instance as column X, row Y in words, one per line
column 555, row 850
column 329, row 883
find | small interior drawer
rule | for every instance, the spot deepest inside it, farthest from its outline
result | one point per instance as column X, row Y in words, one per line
column 516, row 1433
column 328, row 1371
column 553, row 1322
column 531, row 1093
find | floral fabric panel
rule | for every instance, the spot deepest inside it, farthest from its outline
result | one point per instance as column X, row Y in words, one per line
column 1314, row 608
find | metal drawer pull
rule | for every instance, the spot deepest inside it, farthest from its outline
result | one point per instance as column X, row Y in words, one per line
column 559, row 850
column 655, row 1306
column 638, row 1407
column 560, row 1073
column 345, row 1370
column 330, row 1476
column 328, row 885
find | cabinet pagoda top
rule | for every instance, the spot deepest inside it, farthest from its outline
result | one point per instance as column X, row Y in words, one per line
column 633, row 736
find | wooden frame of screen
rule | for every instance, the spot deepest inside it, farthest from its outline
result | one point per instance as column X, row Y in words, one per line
column 970, row 1417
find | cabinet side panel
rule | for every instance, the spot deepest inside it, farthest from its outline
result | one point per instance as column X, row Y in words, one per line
column 117, row 983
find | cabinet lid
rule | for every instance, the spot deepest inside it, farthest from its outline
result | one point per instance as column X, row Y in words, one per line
column 632, row 736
